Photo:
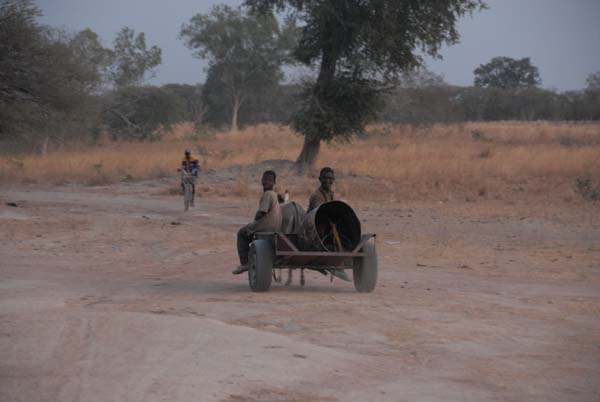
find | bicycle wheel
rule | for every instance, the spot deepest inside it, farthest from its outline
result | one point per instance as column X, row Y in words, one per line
column 187, row 195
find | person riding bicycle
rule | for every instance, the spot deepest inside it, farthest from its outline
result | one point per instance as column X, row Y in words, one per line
column 190, row 165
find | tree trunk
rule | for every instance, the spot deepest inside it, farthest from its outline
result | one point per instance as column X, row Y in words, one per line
column 308, row 155
column 236, row 108
column 311, row 146
column 44, row 147
column 131, row 127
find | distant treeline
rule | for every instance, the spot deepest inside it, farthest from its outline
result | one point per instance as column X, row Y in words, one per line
column 452, row 104
column 135, row 113
column 415, row 105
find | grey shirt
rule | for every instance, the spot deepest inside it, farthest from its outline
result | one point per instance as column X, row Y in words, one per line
column 271, row 222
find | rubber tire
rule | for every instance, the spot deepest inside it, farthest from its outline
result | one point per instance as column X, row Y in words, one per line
column 260, row 265
column 364, row 272
column 187, row 196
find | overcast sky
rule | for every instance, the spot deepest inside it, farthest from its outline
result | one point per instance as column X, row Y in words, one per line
column 562, row 37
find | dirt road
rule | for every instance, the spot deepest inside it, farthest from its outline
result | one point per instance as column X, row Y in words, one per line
column 114, row 294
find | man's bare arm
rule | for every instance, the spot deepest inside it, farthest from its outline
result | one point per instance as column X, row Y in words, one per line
column 312, row 203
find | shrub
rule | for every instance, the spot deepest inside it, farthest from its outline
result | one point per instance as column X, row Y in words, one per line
column 585, row 188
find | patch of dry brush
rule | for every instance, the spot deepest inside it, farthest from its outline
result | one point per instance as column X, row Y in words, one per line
column 472, row 158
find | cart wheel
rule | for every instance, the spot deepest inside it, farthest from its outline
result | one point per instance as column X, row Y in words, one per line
column 260, row 268
column 365, row 269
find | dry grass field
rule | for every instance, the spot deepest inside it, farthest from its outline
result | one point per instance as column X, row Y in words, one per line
column 446, row 160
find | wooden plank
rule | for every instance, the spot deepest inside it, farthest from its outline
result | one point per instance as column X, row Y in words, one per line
column 288, row 242
column 313, row 267
column 319, row 254
column 365, row 238
column 336, row 237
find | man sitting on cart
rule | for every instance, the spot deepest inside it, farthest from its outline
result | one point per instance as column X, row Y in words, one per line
column 322, row 195
column 325, row 192
column 267, row 219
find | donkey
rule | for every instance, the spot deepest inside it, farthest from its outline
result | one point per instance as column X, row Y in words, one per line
column 292, row 216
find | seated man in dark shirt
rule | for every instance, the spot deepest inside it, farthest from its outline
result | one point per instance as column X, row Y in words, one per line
column 325, row 194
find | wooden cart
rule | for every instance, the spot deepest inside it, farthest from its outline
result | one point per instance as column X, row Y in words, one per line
column 271, row 250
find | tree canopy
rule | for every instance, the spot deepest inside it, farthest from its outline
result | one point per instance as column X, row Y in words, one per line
column 359, row 47
column 135, row 113
column 133, row 61
column 88, row 48
column 507, row 73
column 245, row 53
column 53, row 83
column 593, row 82
column 45, row 80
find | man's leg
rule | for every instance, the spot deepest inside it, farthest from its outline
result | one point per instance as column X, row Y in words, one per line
column 193, row 192
column 244, row 238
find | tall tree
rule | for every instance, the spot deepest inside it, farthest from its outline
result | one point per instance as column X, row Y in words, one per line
column 133, row 61
column 359, row 47
column 130, row 111
column 507, row 73
column 245, row 52
column 20, row 40
column 45, row 81
column 88, row 48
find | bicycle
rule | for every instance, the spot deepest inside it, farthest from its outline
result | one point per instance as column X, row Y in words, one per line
column 187, row 181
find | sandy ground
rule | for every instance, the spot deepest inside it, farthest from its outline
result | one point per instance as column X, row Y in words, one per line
column 114, row 294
